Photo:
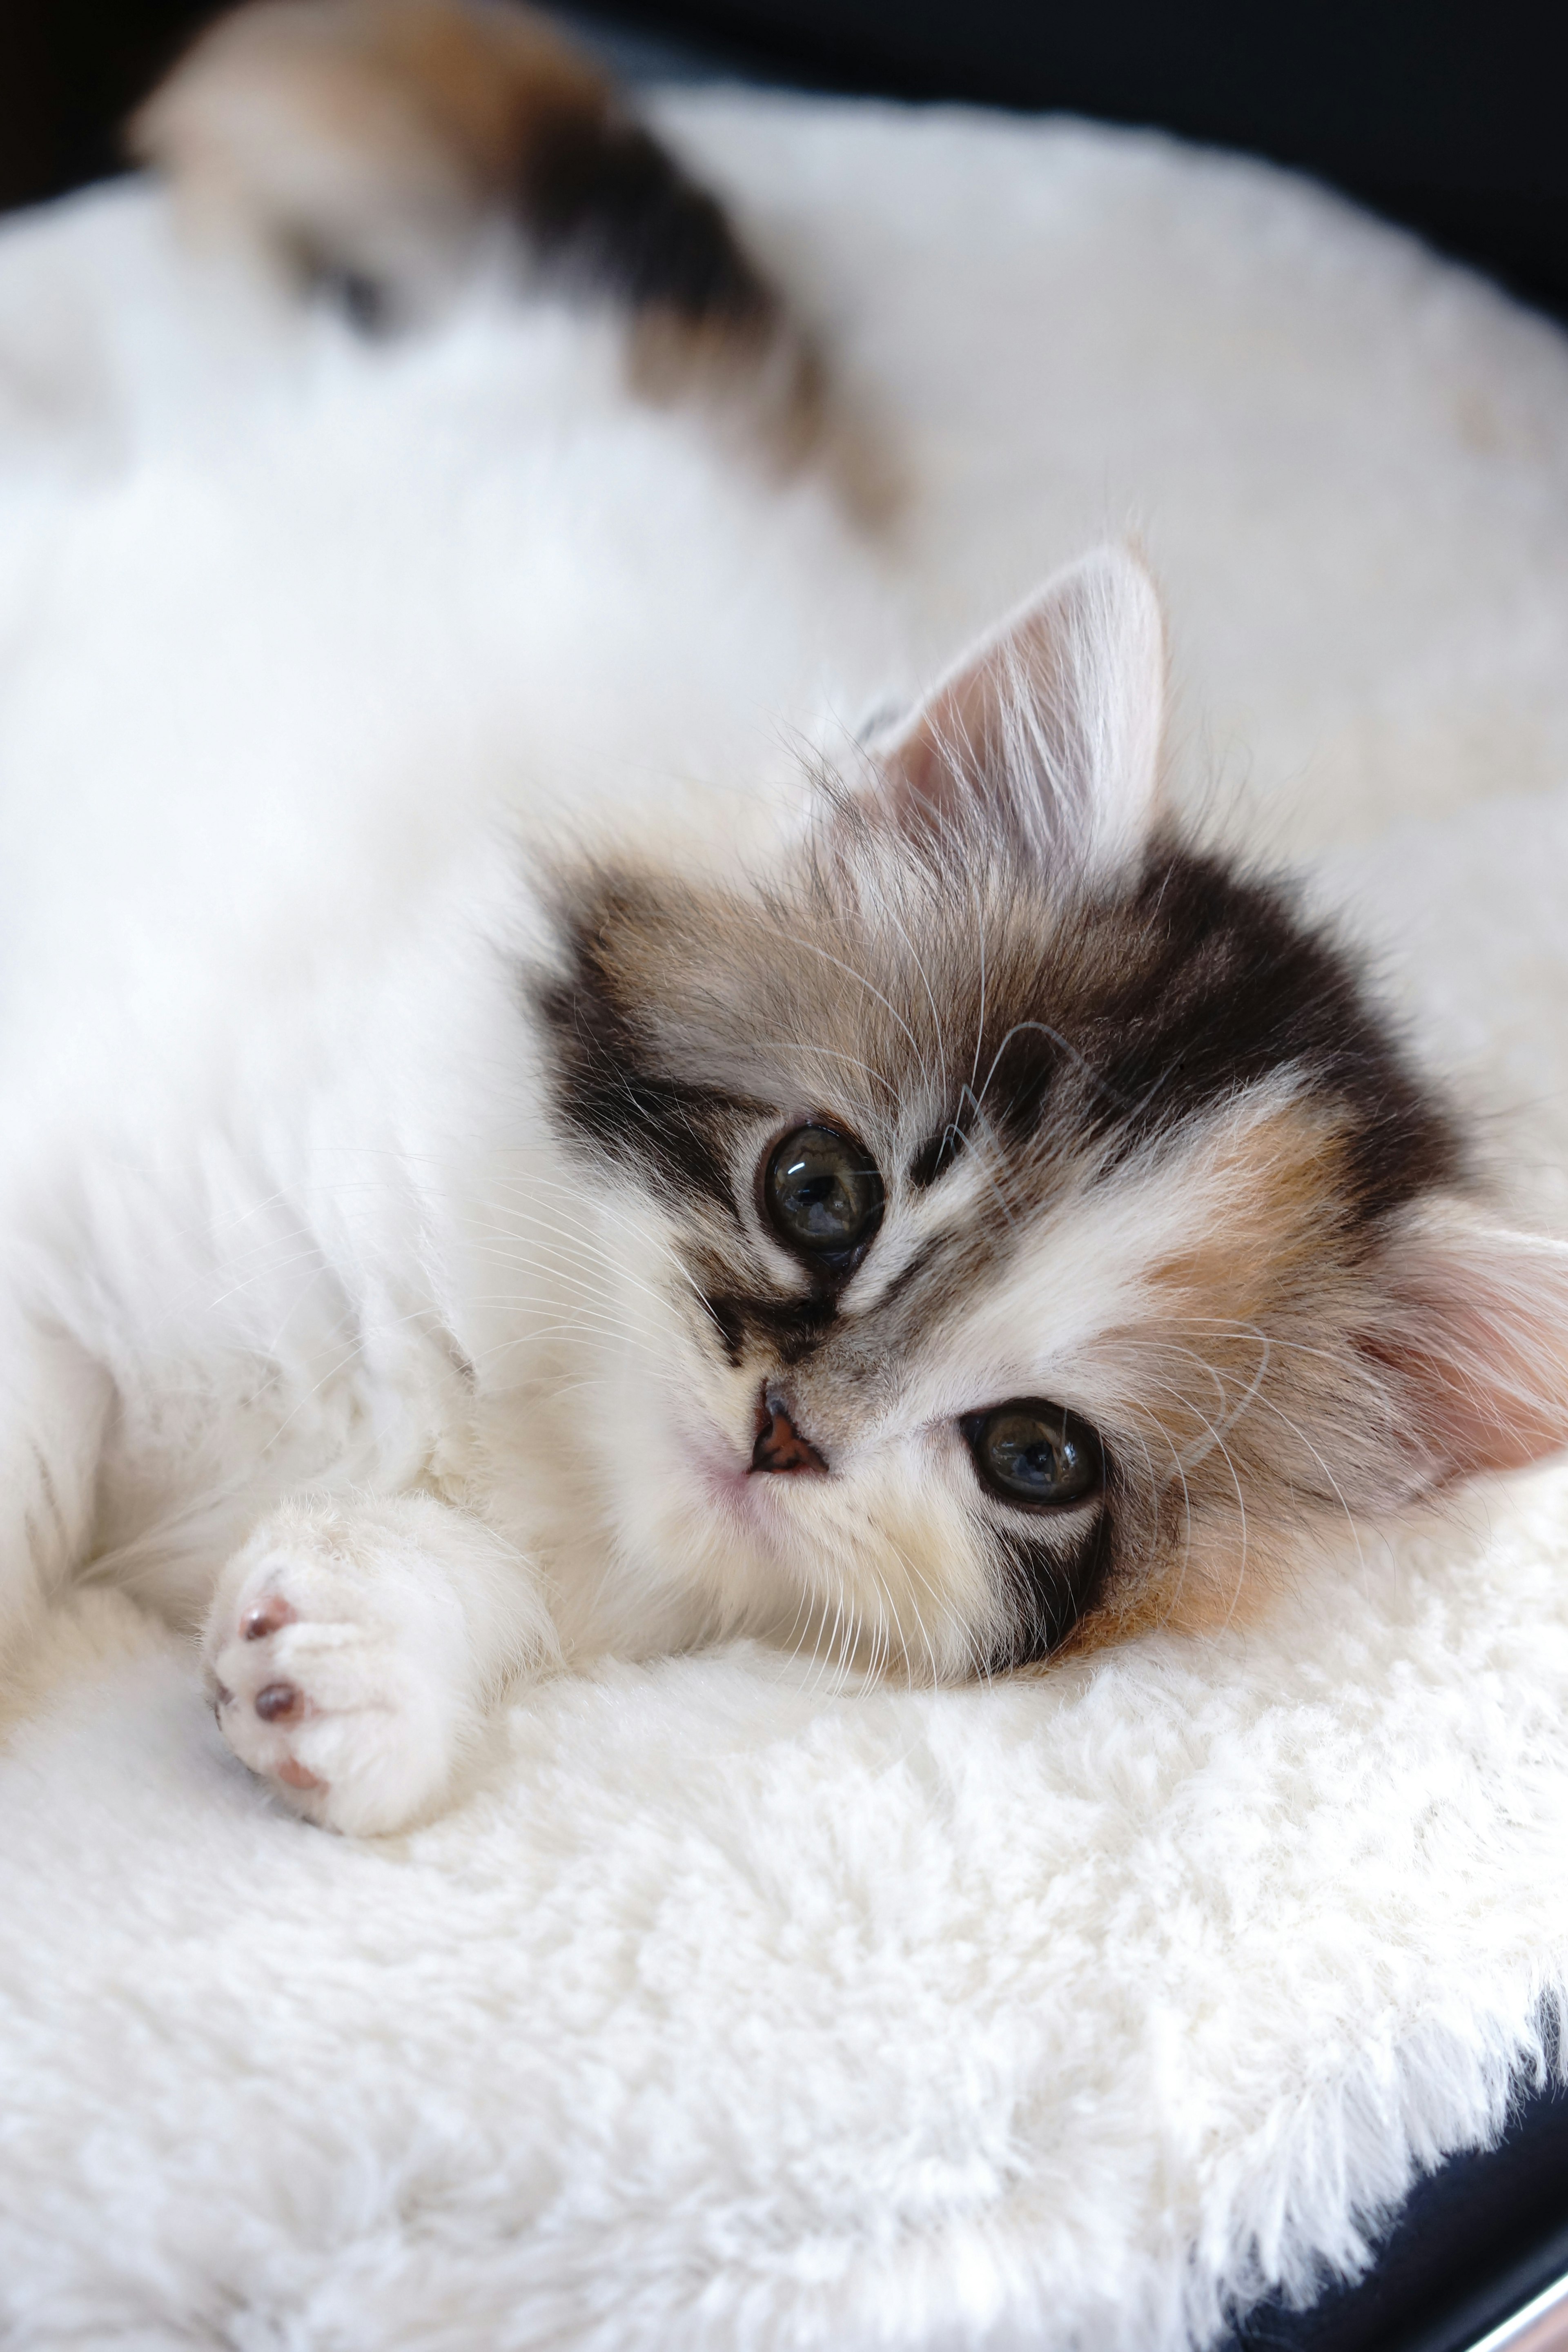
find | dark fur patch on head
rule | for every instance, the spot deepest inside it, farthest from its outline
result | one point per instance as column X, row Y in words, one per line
column 936, row 1157
column 1145, row 1010
column 611, row 1088
column 1213, row 982
column 1156, row 1006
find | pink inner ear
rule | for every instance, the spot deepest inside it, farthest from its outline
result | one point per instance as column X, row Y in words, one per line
column 1049, row 731
column 1010, row 684
column 1480, row 1339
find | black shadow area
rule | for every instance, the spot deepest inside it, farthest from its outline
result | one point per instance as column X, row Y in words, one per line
column 1471, row 2245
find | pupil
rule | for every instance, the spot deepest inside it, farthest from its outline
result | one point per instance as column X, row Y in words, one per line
column 822, row 1193
column 1025, row 1456
column 1035, row 1454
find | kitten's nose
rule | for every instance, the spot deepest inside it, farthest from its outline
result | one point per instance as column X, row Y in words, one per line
column 780, row 1446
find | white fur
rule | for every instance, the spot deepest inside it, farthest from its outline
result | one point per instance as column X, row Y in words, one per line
column 276, row 1155
column 395, row 1620
column 727, row 2012
column 281, row 1165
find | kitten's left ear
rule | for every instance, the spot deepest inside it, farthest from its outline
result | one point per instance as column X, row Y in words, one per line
column 1049, row 731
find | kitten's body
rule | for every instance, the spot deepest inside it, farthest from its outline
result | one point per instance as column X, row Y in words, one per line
column 651, row 625
column 398, row 1273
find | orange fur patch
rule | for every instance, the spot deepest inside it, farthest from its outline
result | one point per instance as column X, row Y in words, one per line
column 483, row 80
column 1279, row 1177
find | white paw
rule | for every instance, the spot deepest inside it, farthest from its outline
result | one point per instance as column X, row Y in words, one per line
column 337, row 1659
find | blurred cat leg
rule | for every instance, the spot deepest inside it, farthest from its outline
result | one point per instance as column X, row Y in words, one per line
column 54, row 1402
column 353, row 1646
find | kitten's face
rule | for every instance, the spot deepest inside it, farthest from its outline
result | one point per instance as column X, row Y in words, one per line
column 1028, row 1221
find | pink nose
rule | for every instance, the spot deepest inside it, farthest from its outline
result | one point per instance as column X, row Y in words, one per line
column 780, row 1446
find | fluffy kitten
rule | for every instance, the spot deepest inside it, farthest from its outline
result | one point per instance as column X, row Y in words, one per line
column 932, row 1211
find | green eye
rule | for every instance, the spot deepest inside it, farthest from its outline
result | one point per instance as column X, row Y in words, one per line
column 1035, row 1454
column 822, row 1193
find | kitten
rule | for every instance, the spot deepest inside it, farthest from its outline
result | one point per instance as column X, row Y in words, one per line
column 941, row 1214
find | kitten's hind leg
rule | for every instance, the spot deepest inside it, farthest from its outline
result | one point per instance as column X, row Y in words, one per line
column 353, row 1646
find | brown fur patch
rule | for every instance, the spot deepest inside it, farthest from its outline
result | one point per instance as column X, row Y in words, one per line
column 480, row 80
column 1217, row 1584
column 365, row 142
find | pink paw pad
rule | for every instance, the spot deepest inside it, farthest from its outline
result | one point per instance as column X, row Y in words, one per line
column 278, row 1703
column 269, row 1616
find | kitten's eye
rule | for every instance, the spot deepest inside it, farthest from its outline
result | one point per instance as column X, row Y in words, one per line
column 822, row 1193
column 1027, row 1452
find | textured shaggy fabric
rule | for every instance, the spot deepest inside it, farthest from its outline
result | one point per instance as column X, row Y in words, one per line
column 730, row 2009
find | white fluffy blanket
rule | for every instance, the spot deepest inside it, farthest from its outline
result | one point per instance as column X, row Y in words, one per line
column 735, row 2012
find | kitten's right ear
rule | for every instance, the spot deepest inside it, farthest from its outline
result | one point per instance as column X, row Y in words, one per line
column 1049, row 729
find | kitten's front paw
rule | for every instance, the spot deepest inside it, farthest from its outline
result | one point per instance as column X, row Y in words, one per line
column 337, row 1659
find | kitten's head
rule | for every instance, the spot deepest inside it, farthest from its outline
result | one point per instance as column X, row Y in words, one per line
column 1034, row 1224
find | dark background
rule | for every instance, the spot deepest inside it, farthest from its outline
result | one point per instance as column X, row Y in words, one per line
column 1448, row 118
column 1445, row 116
